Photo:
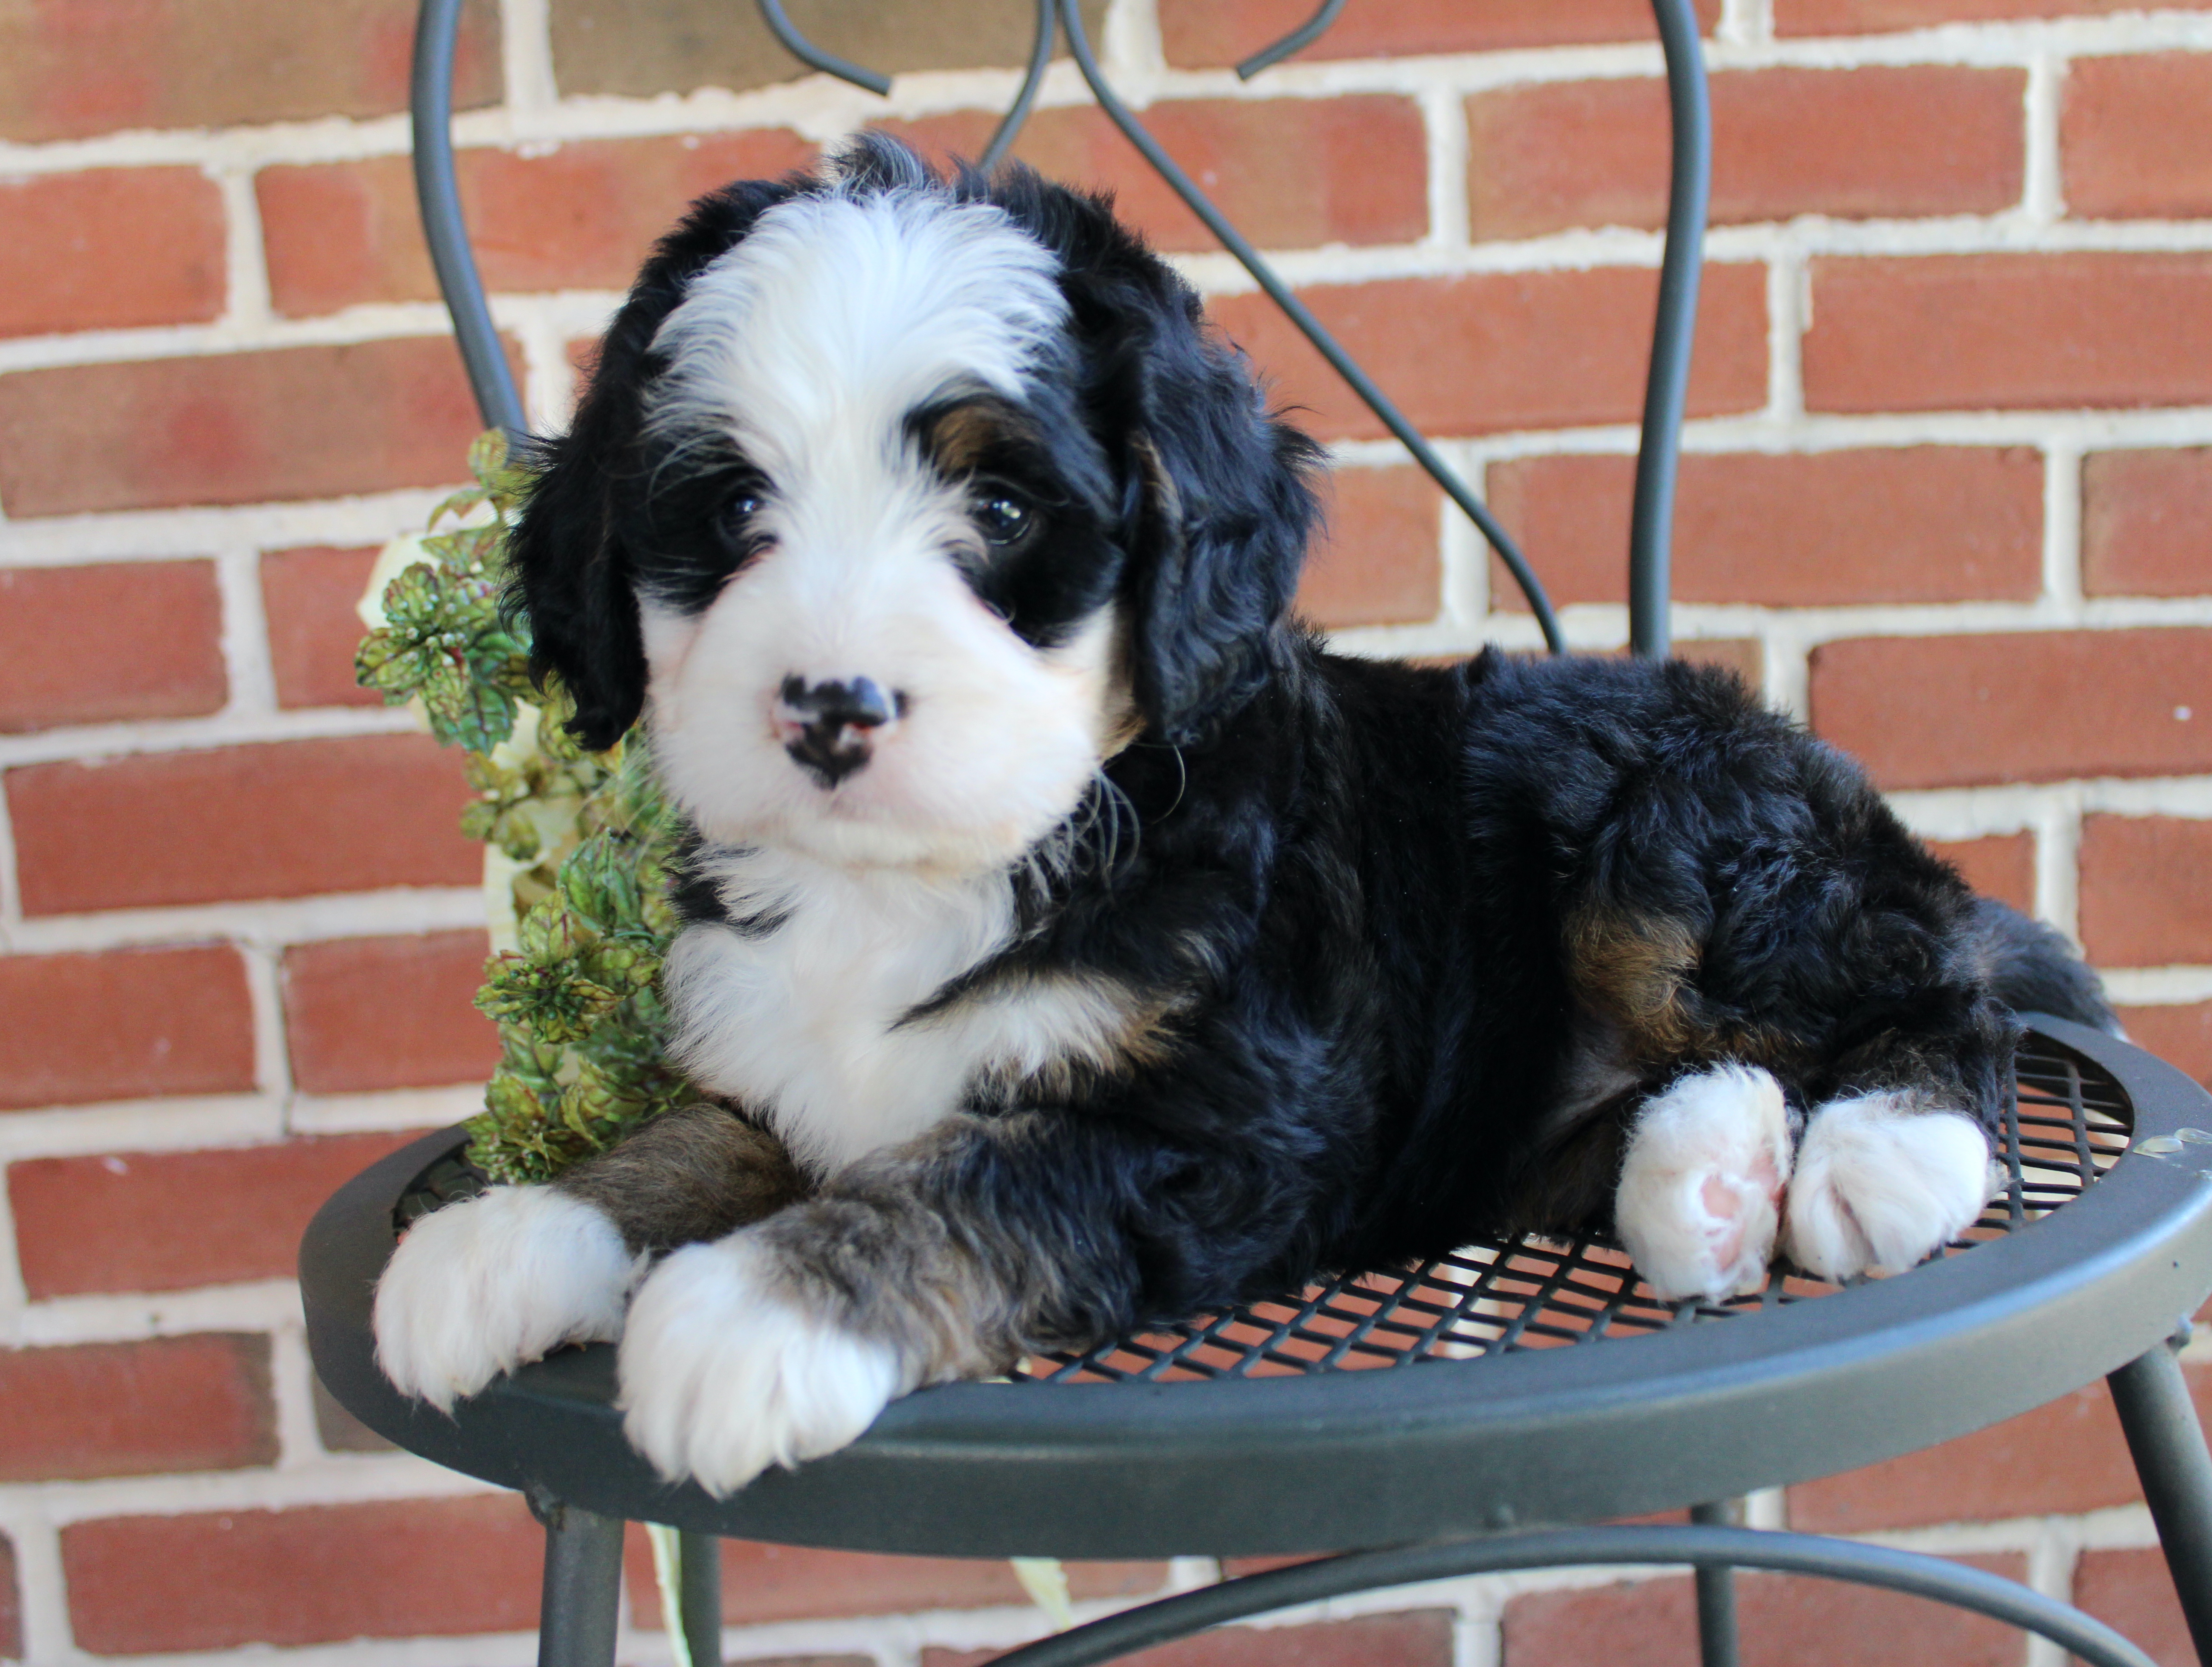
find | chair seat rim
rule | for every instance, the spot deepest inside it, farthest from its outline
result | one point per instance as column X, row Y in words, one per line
column 1426, row 1450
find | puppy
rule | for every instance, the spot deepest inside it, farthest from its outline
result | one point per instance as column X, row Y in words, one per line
column 1103, row 949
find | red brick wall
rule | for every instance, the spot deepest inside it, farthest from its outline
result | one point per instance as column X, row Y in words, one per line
column 1948, row 496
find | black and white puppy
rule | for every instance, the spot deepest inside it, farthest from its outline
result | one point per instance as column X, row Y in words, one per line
column 1101, row 949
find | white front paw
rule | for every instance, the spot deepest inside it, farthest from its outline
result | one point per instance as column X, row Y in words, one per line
column 481, row 1285
column 724, row 1374
column 1700, row 1192
column 1880, row 1183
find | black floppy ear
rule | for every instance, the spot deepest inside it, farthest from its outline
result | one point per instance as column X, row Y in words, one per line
column 1225, row 511
column 574, row 572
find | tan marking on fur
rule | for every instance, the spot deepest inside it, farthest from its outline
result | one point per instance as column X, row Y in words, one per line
column 691, row 1174
column 1635, row 971
column 960, row 437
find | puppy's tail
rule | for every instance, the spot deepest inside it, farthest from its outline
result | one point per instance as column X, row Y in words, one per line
column 2034, row 969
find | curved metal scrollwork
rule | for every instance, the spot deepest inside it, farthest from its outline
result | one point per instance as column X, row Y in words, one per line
column 1666, row 391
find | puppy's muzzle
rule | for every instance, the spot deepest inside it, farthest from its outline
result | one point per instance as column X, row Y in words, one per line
column 831, row 728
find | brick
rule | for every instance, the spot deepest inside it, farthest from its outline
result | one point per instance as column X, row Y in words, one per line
column 235, row 428
column 1871, row 17
column 1208, row 34
column 69, row 67
column 1952, row 711
column 1549, row 155
column 2007, row 331
column 108, row 249
column 1290, row 174
column 214, row 1581
column 367, row 1014
column 1785, row 1619
column 2133, row 134
column 2132, row 1591
column 1377, row 562
column 281, row 819
column 2146, row 890
column 1420, row 1637
column 175, row 1220
column 2180, row 1034
column 616, row 47
column 108, row 642
column 769, row 1583
column 2063, row 1458
column 581, row 216
column 2143, row 516
column 2000, row 866
column 11, row 1605
column 126, row 1024
column 1498, row 352
column 308, row 597
column 141, row 1408
column 1909, row 524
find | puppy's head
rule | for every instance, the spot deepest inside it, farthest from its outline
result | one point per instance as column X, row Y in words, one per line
column 898, row 504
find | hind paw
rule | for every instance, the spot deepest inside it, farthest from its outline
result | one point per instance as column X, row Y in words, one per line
column 1700, row 1196
column 1881, row 1183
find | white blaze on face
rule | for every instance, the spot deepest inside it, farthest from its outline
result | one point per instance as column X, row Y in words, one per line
column 810, row 343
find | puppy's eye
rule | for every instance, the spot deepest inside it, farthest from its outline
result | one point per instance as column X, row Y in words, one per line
column 737, row 517
column 1003, row 519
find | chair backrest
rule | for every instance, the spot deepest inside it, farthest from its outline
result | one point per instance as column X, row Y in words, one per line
column 1665, row 389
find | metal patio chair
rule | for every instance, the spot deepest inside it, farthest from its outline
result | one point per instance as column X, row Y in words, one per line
column 1468, row 1415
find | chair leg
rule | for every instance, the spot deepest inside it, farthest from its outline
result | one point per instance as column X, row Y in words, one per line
column 1717, row 1643
column 699, row 1596
column 2168, row 1447
column 578, row 1613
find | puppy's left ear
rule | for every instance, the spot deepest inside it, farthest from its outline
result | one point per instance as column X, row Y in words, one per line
column 572, row 568
column 1225, row 510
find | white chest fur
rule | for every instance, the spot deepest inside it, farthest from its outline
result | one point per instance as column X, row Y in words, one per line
column 803, row 1015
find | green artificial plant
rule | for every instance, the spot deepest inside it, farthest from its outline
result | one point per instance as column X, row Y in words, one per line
column 581, row 841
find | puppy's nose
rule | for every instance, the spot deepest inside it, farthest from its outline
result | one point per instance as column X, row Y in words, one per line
column 829, row 729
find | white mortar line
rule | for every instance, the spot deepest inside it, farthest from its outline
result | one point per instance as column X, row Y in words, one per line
column 1789, row 315
column 1477, row 1641
column 549, row 381
column 2059, row 865
column 41, row 1590
column 196, row 530
column 1443, row 122
column 299, row 1440
column 2051, row 1564
column 231, row 727
column 272, row 1064
column 525, row 46
column 245, row 269
column 354, row 1479
column 2041, row 196
column 2158, row 987
column 397, row 1109
column 11, row 901
column 248, row 666
column 1130, row 45
column 184, row 1123
column 2061, row 523
column 1745, row 23
column 255, row 1305
column 270, row 924
column 1465, row 554
column 13, row 1297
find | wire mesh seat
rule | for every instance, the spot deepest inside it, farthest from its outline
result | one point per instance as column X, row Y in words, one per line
column 2068, row 1125
column 1466, row 1412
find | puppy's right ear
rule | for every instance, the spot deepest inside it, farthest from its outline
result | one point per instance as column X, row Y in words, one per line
column 574, row 573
